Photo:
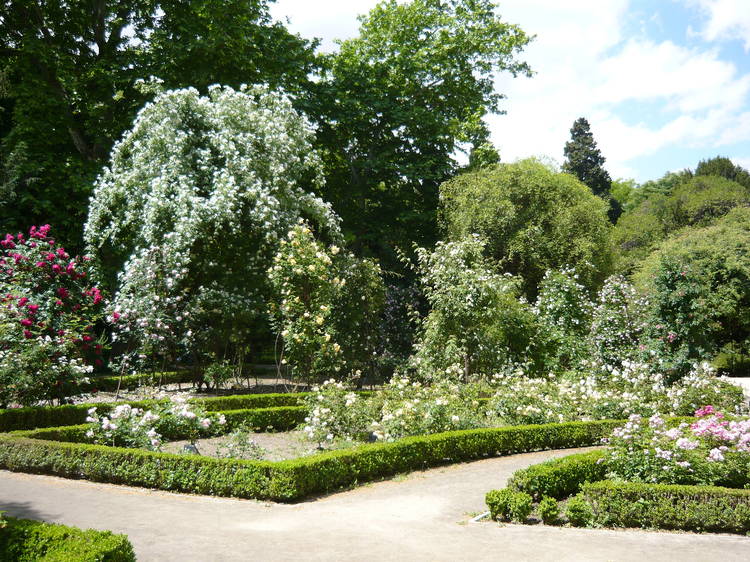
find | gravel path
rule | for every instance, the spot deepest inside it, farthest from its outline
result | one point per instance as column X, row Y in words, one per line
column 421, row 516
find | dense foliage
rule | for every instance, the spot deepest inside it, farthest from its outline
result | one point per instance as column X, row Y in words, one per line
column 532, row 218
column 700, row 282
column 325, row 307
column 476, row 323
column 697, row 202
column 395, row 103
column 70, row 78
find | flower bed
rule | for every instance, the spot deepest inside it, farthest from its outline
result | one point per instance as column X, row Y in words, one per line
column 43, row 451
column 24, row 539
column 44, row 416
column 654, row 453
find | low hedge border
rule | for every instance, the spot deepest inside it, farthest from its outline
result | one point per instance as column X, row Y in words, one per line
column 24, row 539
column 663, row 506
column 283, row 418
column 559, row 478
column 286, row 480
column 46, row 416
column 563, row 477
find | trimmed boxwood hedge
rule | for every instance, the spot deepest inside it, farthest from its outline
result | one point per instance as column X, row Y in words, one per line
column 663, row 506
column 286, row 480
column 630, row 504
column 559, row 478
column 261, row 419
column 24, row 539
column 45, row 416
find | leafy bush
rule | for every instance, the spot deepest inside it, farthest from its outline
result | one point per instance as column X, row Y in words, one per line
column 564, row 311
column 24, row 539
column 49, row 309
column 579, row 511
column 707, row 307
column 476, row 322
column 326, row 306
column 126, row 426
column 534, row 219
column 608, row 392
column 559, row 478
column 509, row 505
column 618, row 323
column 549, row 510
column 665, row 506
column 401, row 408
column 710, row 451
column 696, row 202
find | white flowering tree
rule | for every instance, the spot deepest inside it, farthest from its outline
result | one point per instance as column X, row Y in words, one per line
column 188, row 214
column 476, row 324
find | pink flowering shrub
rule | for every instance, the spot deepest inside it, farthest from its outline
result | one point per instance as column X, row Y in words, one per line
column 713, row 450
column 47, row 316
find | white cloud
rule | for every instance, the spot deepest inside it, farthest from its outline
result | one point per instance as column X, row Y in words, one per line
column 586, row 68
column 727, row 20
column 325, row 19
column 641, row 95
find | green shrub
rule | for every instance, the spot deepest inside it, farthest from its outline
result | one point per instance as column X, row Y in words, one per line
column 668, row 506
column 26, row 540
column 549, row 510
column 533, row 218
column 559, row 478
column 578, row 511
column 498, row 502
column 521, row 506
column 287, row 480
column 509, row 505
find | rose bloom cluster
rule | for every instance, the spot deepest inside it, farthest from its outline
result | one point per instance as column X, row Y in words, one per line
column 126, row 426
column 49, row 309
column 713, row 450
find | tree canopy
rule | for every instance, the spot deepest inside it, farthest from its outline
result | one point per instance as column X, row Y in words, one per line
column 533, row 219
column 70, row 84
column 192, row 207
column 696, row 202
column 394, row 104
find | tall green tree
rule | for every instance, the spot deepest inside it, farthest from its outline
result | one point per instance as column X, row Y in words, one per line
column 70, row 91
column 584, row 160
column 395, row 103
column 532, row 218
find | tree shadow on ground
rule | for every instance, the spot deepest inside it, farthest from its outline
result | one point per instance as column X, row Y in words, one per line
column 24, row 510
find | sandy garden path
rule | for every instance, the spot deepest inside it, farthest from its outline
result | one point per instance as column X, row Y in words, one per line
column 421, row 516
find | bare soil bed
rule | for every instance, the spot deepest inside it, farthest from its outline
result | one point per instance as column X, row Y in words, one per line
column 278, row 446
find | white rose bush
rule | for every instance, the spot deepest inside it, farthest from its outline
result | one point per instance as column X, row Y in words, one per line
column 187, row 216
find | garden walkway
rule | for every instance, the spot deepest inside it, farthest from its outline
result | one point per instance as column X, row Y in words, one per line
column 422, row 516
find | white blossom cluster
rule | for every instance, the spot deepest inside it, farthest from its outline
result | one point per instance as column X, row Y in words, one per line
column 194, row 202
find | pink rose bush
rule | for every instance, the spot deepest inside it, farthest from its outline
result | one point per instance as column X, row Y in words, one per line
column 48, row 313
column 712, row 450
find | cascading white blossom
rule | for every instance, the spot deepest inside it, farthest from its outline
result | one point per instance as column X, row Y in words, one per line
column 192, row 205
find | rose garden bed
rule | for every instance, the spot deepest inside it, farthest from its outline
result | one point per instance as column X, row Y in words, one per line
column 578, row 487
column 61, row 451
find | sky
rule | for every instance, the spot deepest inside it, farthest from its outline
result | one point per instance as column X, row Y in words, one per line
column 663, row 83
